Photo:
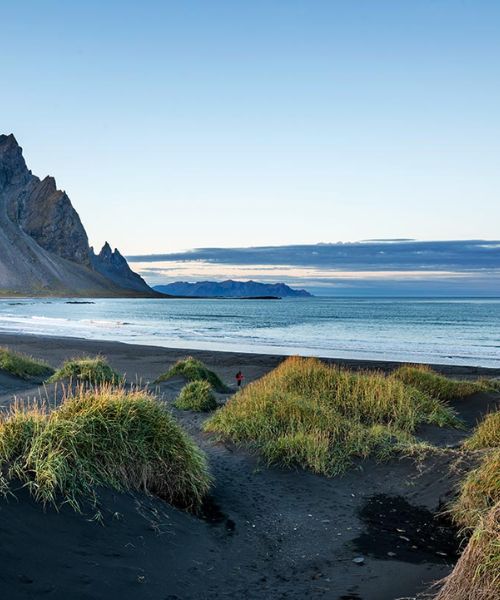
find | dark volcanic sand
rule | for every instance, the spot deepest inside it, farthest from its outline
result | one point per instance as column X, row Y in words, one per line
column 267, row 533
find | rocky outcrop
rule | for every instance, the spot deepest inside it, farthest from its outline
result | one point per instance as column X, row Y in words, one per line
column 44, row 248
column 114, row 267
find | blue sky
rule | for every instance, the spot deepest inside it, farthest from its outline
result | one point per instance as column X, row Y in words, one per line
column 175, row 125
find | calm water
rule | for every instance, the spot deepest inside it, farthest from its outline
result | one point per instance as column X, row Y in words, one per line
column 458, row 331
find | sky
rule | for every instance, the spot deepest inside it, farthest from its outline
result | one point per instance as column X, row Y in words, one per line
column 179, row 124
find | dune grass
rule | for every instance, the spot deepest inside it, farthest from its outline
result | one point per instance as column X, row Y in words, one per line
column 197, row 396
column 486, row 434
column 476, row 575
column 23, row 366
column 479, row 491
column 477, row 511
column 320, row 417
column 87, row 369
column 435, row 385
column 193, row 369
column 104, row 436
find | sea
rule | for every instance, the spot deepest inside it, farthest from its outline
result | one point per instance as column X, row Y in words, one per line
column 461, row 331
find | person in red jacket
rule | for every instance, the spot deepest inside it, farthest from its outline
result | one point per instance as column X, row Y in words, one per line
column 239, row 378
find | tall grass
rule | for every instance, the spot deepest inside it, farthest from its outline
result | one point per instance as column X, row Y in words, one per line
column 94, row 370
column 435, row 385
column 479, row 491
column 100, row 437
column 320, row 417
column 23, row 366
column 476, row 575
column 193, row 369
column 197, row 396
column 486, row 434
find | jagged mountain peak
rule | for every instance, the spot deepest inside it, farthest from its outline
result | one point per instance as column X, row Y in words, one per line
column 43, row 245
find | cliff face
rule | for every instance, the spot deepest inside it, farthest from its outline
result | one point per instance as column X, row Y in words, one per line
column 114, row 267
column 44, row 248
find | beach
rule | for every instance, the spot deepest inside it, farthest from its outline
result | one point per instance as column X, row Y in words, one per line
column 265, row 532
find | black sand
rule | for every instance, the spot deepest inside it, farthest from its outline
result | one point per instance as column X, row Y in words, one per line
column 266, row 533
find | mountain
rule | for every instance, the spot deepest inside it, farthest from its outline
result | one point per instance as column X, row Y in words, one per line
column 230, row 289
column 44, row 249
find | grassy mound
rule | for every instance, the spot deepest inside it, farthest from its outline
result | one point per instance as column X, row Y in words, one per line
column 477, row 509
column 93, row 370
column 317, row 416
column 479, row 492
column 476, row 575
column 486, row 434
column 434, row 385
column 100, row 437
column 198, row 396
column 193, row 369
column 23, row 366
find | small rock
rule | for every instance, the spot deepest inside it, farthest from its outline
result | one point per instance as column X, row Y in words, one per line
column 359, row 560
column 391, row 554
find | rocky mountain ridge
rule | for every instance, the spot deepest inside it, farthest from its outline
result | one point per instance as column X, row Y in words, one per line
column 44, row 248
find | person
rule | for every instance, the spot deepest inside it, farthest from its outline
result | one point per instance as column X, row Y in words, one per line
column 239, row 378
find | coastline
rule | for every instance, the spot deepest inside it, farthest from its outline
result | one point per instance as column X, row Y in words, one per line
column 55, row 349
column 267, row 532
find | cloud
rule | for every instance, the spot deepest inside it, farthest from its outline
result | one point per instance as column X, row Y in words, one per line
column 465, row 267
column 368, row 255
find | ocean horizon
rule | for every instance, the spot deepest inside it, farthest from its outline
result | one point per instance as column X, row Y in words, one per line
column 460, row 331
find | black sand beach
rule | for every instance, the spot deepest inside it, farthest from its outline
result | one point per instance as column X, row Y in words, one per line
column 266, row 532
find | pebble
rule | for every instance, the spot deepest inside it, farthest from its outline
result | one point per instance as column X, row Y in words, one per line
column 359, row 560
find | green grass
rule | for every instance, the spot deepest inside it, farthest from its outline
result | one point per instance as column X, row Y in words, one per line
column 100, row 437
column 197, row 396
column 320, row 417
column 23, row 366
column 476, row 575
column 479, row 491
column 434, row 385
column 193, row 369
column 476, row 510
column 486, row 434
column 93, row 370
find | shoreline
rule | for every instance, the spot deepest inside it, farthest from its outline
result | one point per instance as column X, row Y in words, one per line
column 268, row 531
column 43, row 346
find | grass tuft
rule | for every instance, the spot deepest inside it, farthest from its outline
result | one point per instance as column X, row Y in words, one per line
column 486, row 434
column 320, row 417
column 23, row 366
column 476, row 575
column 100, row 437
column 479, row 491
column 198, row 396
column 93, row 370
column 429, row 382
column 193, row 369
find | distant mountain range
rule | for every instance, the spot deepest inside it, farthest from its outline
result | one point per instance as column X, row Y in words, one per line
column 230, row 289
column 44, row 249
